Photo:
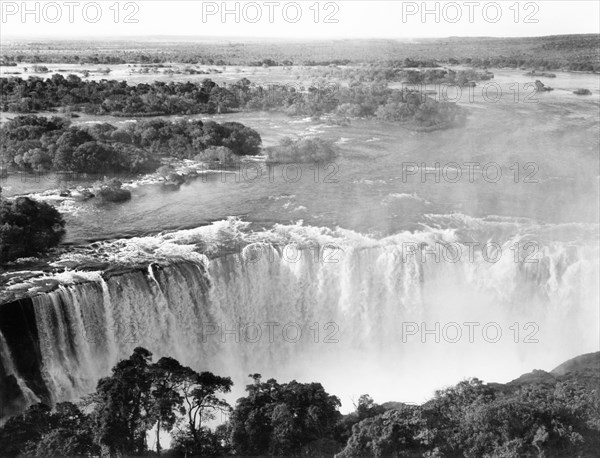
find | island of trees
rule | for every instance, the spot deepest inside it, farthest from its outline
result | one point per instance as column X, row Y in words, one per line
column 539, row 414
column 360, row 98
column 40, row 144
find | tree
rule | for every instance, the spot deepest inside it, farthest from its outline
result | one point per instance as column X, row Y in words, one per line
column 123, row 406
column 42, row 432
column 95, row 156
column 367, row 408
column 397, row 432
column 168, row 379
column 66, row 145
column 242, row 140
column 201, row 399
column 27, row 228
column 282, row 419
column 139, row 395
column 70, row 435
column 29, row 427
column 537, row 420
column 180, row 394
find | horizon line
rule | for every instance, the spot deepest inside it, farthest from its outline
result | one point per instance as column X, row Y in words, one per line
column 256, row 38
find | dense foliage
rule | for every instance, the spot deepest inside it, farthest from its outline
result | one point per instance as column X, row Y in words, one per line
column 474, row 420
column 27, row 228
column 539, row 414
column 40, row 144
column 282, row 419
column 357, row 99
column 392, row 72
column 112, row 97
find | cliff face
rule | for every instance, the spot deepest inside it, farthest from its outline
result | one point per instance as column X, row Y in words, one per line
column 584, row 369
column 20, row 358
column 590, row 362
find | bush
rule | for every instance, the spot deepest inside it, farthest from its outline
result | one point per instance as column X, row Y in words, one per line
column 242, row 140
column 112, row 191
column 303, row 150
column 217, row 153
column 27, row 228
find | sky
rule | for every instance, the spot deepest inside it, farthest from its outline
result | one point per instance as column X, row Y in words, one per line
column 301, row 19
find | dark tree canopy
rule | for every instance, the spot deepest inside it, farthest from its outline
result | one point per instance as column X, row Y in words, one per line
column 39, row 144
column 281, row 419
column 546, row 415
column 28, row 228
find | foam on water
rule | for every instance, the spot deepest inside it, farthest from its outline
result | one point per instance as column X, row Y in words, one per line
column 356, row 288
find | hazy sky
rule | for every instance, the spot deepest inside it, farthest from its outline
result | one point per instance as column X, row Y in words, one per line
column 306, row 19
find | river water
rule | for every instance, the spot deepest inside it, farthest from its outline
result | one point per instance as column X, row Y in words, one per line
column 325, row 248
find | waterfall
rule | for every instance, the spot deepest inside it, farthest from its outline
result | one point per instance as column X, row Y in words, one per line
column 8, row 369
column 337, row 318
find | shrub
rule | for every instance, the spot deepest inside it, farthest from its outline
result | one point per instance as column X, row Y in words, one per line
column 217, row 153
column 308, row 149
column 27, row 228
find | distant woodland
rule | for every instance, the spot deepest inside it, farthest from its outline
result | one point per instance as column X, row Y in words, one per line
column 566, row 52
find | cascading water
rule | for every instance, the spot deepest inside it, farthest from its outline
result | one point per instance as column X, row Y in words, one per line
column 334, row 314
column 9, row 371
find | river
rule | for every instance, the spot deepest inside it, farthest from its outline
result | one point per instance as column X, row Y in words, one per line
column 325, row 248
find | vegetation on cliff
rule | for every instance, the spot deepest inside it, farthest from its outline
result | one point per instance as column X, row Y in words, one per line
column 539, row 414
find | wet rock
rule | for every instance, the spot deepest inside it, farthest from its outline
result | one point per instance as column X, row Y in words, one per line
column 582, row 92
column 115, row 195
column 44, row 287
column 93, row 266
column 171, row 186
column 541, row 87
column 541, row 74
column 112, row 191
column 66, row 264
column 83, row 195
column 174, row 179
column 19, row 287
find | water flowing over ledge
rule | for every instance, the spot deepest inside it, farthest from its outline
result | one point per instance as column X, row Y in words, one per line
column 350, row 299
